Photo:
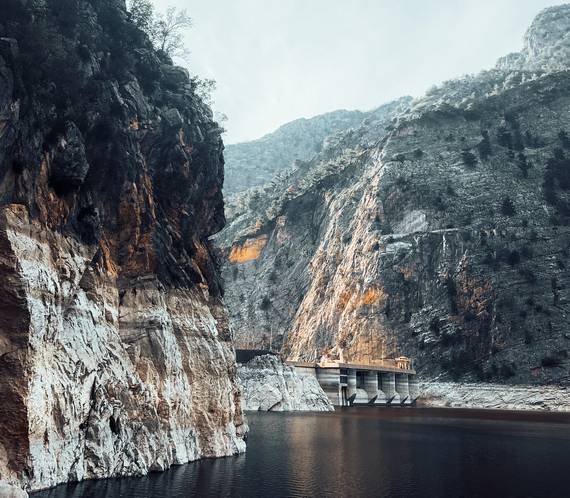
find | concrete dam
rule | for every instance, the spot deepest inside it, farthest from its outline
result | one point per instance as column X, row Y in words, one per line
column 381, row 383
column 377, row 383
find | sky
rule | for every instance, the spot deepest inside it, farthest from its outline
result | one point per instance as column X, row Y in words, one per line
column 278, row 60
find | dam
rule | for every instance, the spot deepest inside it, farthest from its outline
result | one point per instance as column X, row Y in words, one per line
column 380, row 383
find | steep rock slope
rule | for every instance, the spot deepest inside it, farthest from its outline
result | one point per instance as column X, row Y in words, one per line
column 115, row 351
column 252, row 164
column 263, row 298
column 443, row 236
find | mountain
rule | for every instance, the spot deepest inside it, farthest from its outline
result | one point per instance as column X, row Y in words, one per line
column 115, row 350
column 440, row 232
column 252, row 164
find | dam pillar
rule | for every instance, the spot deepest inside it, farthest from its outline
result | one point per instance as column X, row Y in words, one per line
column 381, row 398
column 414, row 387
column 351, row 386
column 388, row 387
column 371, row 386
column 403, row 389
column 329, row 379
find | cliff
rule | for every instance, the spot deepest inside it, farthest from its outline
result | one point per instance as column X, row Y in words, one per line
column 115, row 350
column 267, row 384
column 439, row 232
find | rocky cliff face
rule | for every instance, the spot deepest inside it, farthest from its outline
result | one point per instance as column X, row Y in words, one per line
column 267, row 384
column 115, row 351
column 441, row 234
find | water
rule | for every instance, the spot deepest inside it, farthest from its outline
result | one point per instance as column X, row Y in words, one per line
column 370, row 452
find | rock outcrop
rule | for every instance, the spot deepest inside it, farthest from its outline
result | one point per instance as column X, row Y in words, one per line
column 546, row 43
column 267, row 384
column 440, row 232
column 115, row 350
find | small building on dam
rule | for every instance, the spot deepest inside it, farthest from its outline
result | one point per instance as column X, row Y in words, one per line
column 383, row 383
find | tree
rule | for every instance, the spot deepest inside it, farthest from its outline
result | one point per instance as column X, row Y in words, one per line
column 265, row 303
column 523, row 164
column 507, row 207
column 204, row 89
column 142, row 14
column 168, row 32
column 518, row 143
column 165, row 30
column 469, row 158
column 564, row 140
column 504, row 138
column 484, row 146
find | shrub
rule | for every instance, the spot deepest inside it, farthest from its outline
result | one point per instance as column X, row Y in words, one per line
column 469, row 158
column 518, row 143
column 557, row 176
column 528, row 275
column 564, row 140
column 523, row 164
column 507, row 207
column 507, row 370
column 484, row 147
column 550, row 361
column 504, row 138
column 514, row 258
column 418, row 153
column 451, row 293
column 512, row 120
column 265, row 303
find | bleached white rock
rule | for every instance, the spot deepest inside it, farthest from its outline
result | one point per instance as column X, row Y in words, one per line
column 11, row 491
column 495, row 396
column 269, row 385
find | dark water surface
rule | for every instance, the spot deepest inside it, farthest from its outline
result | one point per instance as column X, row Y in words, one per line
column 372, row 452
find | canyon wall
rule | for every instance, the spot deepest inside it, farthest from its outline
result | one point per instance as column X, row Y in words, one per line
column 440, row 231
column 115, row 349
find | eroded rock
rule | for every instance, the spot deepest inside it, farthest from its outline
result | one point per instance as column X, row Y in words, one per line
column 268, row 384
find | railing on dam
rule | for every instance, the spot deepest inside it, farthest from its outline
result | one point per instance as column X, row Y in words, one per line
column 386, row 365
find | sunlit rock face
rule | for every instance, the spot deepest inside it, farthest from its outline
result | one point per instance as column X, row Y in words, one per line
column 115, row 349
column 439, row 231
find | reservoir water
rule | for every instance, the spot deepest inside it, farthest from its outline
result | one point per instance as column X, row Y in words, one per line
column 372, row 452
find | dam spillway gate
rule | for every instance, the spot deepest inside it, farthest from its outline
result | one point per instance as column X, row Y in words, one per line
column 391, row 383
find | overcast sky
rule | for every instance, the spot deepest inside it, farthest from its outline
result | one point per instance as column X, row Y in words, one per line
column 279, row 60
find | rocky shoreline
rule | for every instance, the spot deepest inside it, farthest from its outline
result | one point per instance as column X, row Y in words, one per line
column 494, row 396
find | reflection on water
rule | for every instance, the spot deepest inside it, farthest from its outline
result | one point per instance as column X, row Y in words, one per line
column 372, row 452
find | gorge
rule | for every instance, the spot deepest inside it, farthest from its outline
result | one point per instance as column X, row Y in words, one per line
column 138, row 253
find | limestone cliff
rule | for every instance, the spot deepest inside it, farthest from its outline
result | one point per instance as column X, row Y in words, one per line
column 115, row 351
column 440, row 233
